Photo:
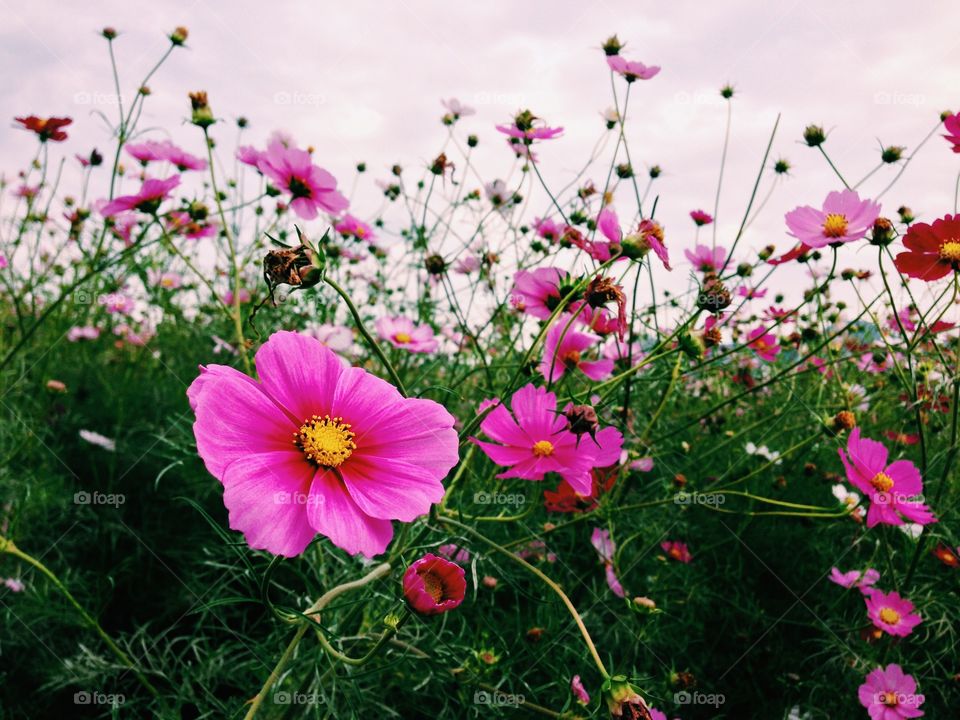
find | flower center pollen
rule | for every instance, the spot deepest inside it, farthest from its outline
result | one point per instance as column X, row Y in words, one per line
column 889, row 699
column 950, row 250
column 433, row 585
column 325, row 440
column 890, row 616
column 835, row 225
column 882, row 482
column 543, row 448
column 402, row 338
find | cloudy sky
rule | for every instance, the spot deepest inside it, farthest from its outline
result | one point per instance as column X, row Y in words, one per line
column 363, row 81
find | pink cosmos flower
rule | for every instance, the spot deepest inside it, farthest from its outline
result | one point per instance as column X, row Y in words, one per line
column 249, row 155
column 563, row 349
column 402, row 333
column 677, row 550
column 151, row 151
column 701, row 218
column 181, row 223
column 433, row 585
column 750, row 293
column 313, row 188
column 457, row 109
column 167, row 280
column 952, row 125
column 579, row 692
column 14, row 585
column 537, row 292
column 890, row 612
column 764, row 344
column 466, row 264
column 854, row 578
column 459, row 555
column 88, row 332
column 892, row 488
column 338, row 338
column 890, row 694
column 349, row 226
column 152, row 193
column 631, row 70
column 526, row 128
column 548, row 229
column 843, row 218
column 706, row 260
column 536, row 439
column 316, row 447
column 603, row 544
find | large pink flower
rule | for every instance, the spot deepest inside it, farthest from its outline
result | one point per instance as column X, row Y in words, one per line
column 536, row 439
column 152, row 193
column 631, row 70
column 892, row 488
column 844, row 217
column 563, row 350
column 706, row 260
column 763, row 343
column 316, row 447
column 890, row 694
column 313, row 188
column 890, row 612
column 537, row 292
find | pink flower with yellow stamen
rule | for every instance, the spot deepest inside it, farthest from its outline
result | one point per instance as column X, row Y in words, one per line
column 844, row 217
column 890, row 612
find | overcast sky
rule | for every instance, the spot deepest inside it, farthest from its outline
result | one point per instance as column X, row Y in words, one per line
column 362, row 80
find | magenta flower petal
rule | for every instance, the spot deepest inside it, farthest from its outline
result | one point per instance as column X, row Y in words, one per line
column 332, row 512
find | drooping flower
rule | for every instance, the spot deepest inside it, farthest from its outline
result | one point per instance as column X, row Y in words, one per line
column 148, row 199
column 890, row 694
column 403, row 333
column 535, row 439
column 316, row 447
column 706, row 260
column 701, row 218
column 890, row 612
column 677, row 550
column 844, row 217
column 312, row 188
column 46, row 128
column 537, row 292
column 631, row 70
column 892, row 488
column 563, row 350
column 433, row 585
column 854, row 578
column 763, row 343
column 933, row 250
column 951, row 124
column 579, row 692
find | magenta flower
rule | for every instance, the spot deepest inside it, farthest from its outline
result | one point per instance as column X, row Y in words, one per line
column 763, row 343
column 889, row 694
column 890, row 612
column 603, row 544
column 316, row 447
column 349, row 226
column 701, row 218
column 537, row 292
column 527, row 128
column 952, row 125
column 677, row 550
column 893, row 489
column 548, row 229
column 402, row 333
column 152, row 193
column 313, row 188
column 536, row 439
column 153, row 151
column 706, row 260
column 563, row 350
column 579, row 692
column 433, row 585
column 855, row 578
column 843, row 218
column 631, row 70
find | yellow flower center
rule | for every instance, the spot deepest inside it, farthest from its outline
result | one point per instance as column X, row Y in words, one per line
column 882, row 482
column 889, row 699
column 889, row 616
column 950, row 250
column 835, row 225
column 571, row 358
column 543, row 448
column 402, row 338
column 325, row 440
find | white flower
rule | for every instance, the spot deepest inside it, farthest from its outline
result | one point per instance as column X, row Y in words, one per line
column 913, row 530
column 99, row 440
column 457, row 108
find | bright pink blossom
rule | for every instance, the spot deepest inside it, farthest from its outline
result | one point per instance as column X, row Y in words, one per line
column 313, row 188
column 579, row 692
column 854, row 578
column 677, row 550
column 537, row 292
column 433, row 585
column 153, row 151
column 890, row 694
column 763, row 343
column 706, row 260
column 631, row 70
column 844, row 217
column 403, row 333
column 151, row 194
column 890, row 612
column 952, row 125
column 316, row 447
column 563, row 350
column 701, row 218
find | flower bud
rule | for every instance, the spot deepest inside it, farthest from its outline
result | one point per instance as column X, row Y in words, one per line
column 179, row 36
column 813, row 135
column 202, row 115
column 882, row 233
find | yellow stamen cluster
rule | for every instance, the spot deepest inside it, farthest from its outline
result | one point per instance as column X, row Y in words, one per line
column 325, row 441
column 835, row 225
column 889, row 616
column 882, row 482
column 571, row 358
column 433, row 585
column 543, row 448
column 402, row 338
column 950, row 250
column 889, row 699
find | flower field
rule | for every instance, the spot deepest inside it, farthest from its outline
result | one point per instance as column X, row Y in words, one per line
column 414, row 441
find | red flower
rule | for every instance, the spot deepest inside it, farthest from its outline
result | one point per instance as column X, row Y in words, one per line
column 932, row 250
column 567, row 500
column 46, row 128
column 433, row 585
